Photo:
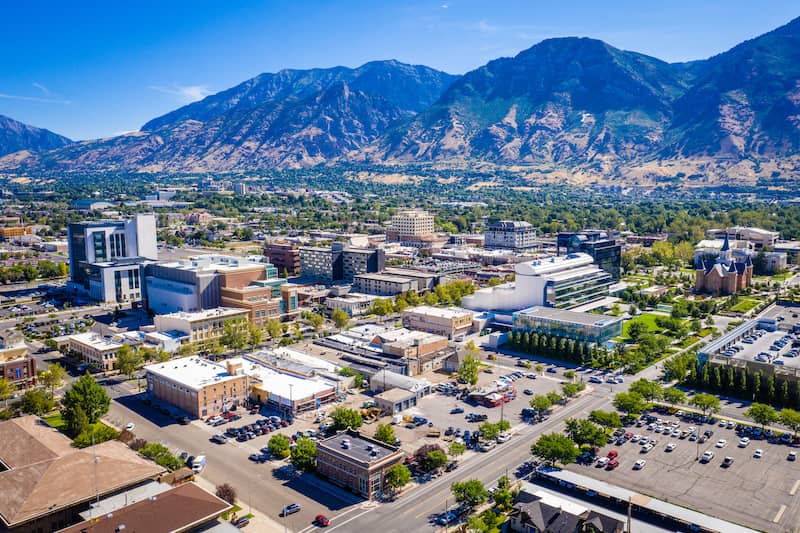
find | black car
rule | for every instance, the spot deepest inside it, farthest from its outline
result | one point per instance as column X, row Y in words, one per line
column 452, row 465
column 290, row 509
column 184, row 420
column 242, row 522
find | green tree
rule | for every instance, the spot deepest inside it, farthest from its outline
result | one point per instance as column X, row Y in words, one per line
column 541, row 403
column 95, row 434
column 397, row 477
column 435, row 459
column 606, row 419
column 630, row 403
column 457, row 448
column 707, row 403
column 468, row 370
column 582, row 431
column 470, row 493
column 791, row 419
column 161, row 455
column 36, row 402
column 7, row 389
column 77, row 423
column 86, row 395
column 315, row 320
column 554, row 447
column 674, row 396
column 53, row 377
column 304, row 454
column 274, row 329
column 234, row 334
column 637, row 329
column 385, row 433
column 761, row 414
column 279, row 445
column 489, row 430
column 649, row 390
column 344, row 418
column 554, row 397
column 254, row 335
column 128, row 361
column 340, row 318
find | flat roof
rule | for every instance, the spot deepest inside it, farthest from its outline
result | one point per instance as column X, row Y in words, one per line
column 449, row 312
column 384, row 277
column 192, row 372
column 394, row 395
column 217, row 312
column 177, row 509
column 572, row 317
column 360, row 448
column 283, row 384
column 659, row 506
column 96, row 341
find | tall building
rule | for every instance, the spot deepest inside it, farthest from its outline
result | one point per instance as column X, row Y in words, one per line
column 106, row 258
column 240, row 188
column 339, row 263
column 562, row 282
column 510, row 234
column 606, row 251
column 411, row 224
column 285, row 256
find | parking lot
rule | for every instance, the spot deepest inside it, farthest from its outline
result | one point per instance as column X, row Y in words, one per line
column 755, row 492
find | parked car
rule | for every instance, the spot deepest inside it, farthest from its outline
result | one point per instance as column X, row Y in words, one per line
column 219, row 439
column 322, row 521
column 242, row 522
column 728, row 461
column 456, row 411
column 638, row 465
column 290, row 509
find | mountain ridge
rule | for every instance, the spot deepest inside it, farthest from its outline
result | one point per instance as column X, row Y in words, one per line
column 16, row 136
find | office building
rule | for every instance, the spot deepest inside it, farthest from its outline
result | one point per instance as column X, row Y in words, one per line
column 510, row 234
column 604, row 249
column 357, row 261
column 569, row 324
column 240, row 188
column 286, row 389
column 352, row 303
column 210, row 281
column 562, row 282
column 356, row 462
column 339, row 263
column 412, row 224
column 106, row 258
column 451, row 322
column 200, row 326
column 285, row 256
column 45, row 482
column 198, row 387
column 760, row 238
column 100, row 351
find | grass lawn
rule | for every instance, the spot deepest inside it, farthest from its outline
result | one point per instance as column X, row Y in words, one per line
column 227, row 516
column 688, row 341
column 55, row 421
column 745, row 304
column 649, row 319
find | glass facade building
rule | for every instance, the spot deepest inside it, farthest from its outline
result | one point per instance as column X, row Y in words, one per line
column 568, row 324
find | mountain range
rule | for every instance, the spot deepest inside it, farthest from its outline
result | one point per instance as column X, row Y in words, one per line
column 566, row 103
column 16, row 136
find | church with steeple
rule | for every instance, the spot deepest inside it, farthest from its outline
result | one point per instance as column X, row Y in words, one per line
column 724, row 275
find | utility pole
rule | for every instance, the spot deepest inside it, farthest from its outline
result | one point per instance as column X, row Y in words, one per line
column 630, row 510
column 447, row 522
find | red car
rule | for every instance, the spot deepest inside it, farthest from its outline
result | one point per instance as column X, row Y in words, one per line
column 612, row 464
column 322, row 520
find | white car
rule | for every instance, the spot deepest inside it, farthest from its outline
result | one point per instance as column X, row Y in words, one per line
column 636, row 438
column 721, row 443
column 671, row 446
column 744, row 442
column 707, row 456
column 758, row 454
column 602, row 462
column 646, row 448
column 676, row 434
column 638, row 465
column 131, row 426
column 503, row 437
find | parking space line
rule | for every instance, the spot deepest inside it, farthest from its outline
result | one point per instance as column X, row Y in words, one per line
column 795, row 487
column 780, row 514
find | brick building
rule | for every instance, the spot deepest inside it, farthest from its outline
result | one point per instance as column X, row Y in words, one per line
column 356, row 462
column 18, row 367
column 724, row 275
column 285, row 256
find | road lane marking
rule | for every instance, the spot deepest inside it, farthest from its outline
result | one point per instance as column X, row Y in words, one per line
column 351, row 519
column 780, row 514
column 795, row 487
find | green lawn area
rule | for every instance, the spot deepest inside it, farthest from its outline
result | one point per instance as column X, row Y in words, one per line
column 55, row 421
column 649, row 319
column 688, row 341
column 227, row 516
column 745, row 304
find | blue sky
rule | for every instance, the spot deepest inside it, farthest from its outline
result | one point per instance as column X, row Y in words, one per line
column 90, row 69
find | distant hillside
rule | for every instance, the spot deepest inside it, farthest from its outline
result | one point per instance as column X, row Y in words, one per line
column 16, row 136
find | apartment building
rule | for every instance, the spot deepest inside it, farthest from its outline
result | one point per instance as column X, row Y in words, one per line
column 285, row 256
column 510, row 234
column 383, row 284
column 339, row 263
column 411, row 223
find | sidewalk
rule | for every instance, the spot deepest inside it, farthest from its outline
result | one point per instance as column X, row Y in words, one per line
column 260, row 523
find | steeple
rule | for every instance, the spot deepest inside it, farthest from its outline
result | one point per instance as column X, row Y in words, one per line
column 726, row 245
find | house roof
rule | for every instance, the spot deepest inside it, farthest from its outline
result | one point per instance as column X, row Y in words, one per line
column 45, row 473
column 177, row 509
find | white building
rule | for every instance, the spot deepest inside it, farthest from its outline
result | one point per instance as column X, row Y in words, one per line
column 106, row 257
column 510, row 234
column 412, row 223
column 352, row 303
column 200, row 326
column 100, row 351
column 565, row 282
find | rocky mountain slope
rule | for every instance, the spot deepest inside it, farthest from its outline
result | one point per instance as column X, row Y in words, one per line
column 16, row 136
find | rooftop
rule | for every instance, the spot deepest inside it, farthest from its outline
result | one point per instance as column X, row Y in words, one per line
column 384, row 277
column 192, row 372
column 47, row 474
column 553, row 265
column 284, row 385
column 394, row 395
column 13, row 354
column 217, row 312
column 96, row 341
column 177, row 509
column 571, row 317
column 358, row 447
column 217, row 263
column 449, row 313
